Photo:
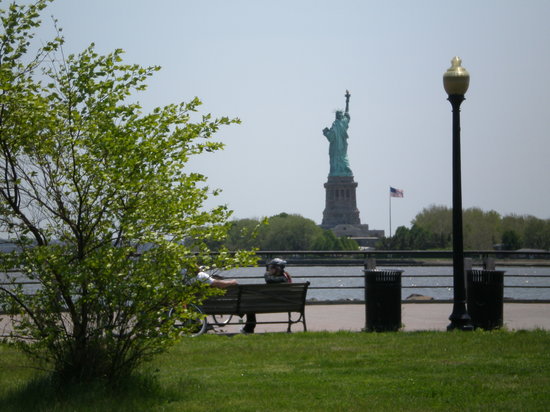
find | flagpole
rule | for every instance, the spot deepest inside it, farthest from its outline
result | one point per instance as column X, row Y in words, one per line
column 394, row 193
column 390, row 212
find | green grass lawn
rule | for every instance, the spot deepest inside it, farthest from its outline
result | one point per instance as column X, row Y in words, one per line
column 497, row 371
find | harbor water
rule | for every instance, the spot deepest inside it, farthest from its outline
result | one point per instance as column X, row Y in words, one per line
column 347, row 282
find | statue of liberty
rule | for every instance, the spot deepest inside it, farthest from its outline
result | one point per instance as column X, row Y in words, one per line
column 337, row 136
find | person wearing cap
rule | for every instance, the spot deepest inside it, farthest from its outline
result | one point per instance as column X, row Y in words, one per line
column 275, row 274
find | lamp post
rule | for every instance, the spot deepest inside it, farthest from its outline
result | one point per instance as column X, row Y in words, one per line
column 456, row 81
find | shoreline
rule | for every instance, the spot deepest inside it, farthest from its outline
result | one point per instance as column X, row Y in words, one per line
column 412, row 262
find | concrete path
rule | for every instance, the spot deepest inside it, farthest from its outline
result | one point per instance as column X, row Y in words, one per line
column 422, row 316
column 414, row 316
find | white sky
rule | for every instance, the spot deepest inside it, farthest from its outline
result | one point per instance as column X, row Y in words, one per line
column 283, row 68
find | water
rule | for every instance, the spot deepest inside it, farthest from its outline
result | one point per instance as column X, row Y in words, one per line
column 413, row 280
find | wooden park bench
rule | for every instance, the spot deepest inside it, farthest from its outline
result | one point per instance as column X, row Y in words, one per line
column 263, row 298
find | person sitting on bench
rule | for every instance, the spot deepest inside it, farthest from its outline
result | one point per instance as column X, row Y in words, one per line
column 216, row 281
column 275, row 274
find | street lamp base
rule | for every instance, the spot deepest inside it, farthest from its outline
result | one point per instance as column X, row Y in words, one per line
column 465, row 327
column 461, row 322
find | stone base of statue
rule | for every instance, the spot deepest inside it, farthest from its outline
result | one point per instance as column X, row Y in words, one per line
column 341, row 215
column 341, row 202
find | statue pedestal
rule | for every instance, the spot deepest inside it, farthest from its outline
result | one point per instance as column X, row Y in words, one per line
column 341, row 202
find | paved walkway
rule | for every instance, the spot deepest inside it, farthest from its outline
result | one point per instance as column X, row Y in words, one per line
column 422, row 316
column 414, row 316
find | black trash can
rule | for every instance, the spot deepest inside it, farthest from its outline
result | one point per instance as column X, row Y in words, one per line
column 485, row 298
column 383, row 300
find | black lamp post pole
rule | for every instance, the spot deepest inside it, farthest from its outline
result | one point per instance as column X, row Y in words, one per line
column 459, row 318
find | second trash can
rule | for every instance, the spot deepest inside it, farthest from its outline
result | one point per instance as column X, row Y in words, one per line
column 485, row 298
column 383, row 300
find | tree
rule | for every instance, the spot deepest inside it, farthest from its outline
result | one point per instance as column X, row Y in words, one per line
column 415, row 238
column 96, row 196
column 438, row 221
column 482, row 230
column 243, row 234
column 421, row 239
column 288, row 232
column 432, row 228
column 327, row 240
column 536, row 233
column 511, row 240
column 345, row 243
column 284, row 232
column 533, row 232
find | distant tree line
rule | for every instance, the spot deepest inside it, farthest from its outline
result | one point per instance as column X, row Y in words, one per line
column 283, row 232
column 432, row 229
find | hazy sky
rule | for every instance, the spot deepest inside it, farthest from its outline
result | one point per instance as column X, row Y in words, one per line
column 283, row 67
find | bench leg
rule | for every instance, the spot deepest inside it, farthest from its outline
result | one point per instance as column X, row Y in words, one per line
column 289, row 323
column 301, row 319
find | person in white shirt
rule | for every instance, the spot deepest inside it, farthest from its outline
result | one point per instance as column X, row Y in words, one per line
column 216, row 281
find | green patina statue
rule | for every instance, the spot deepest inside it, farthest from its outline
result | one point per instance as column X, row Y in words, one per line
column 337, row 136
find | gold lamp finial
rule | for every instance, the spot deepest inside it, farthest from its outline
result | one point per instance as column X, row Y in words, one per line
column 456, row 79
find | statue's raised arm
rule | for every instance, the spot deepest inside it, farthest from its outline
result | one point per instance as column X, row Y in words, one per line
column 347, row 102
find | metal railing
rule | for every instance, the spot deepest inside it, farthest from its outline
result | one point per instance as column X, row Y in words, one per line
column 447, row 286
column 406, row 257
column 402, row 258
column 371, row 259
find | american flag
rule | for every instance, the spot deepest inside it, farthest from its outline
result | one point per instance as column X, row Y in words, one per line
column 395, row 192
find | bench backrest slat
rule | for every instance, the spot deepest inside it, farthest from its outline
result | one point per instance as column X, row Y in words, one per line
column 226, row 303
column 278, row 297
